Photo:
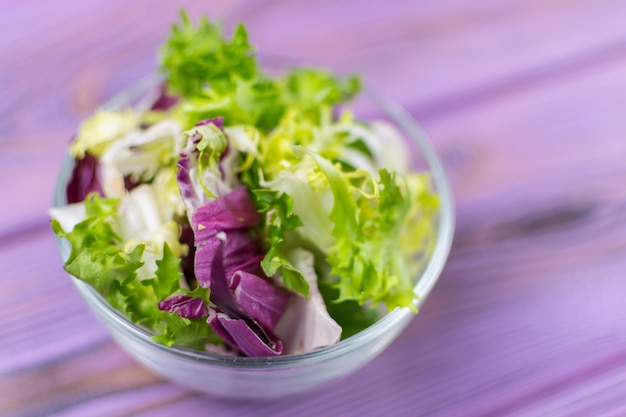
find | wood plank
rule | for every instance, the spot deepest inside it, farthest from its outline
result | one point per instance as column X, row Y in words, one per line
column 90, row 53
column 567, row 133
column 430, row 55
column 44, row 318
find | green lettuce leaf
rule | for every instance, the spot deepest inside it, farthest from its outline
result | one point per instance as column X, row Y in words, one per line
column 369, row 218
column 255, row 102
column 101, row 129
column 194, row 57
column 100, row 257
column 212, row 143
column 311, row 90
column 279, row 221
column 167, row 276
column 220, row 77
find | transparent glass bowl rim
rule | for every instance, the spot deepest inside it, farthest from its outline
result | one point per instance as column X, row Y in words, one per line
column 397, row 317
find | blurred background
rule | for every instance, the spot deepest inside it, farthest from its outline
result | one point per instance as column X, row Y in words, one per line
column 525, row 101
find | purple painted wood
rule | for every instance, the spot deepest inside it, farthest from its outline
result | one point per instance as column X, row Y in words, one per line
column 523, row 99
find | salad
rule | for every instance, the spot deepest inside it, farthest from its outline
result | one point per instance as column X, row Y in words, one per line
column 243, row 214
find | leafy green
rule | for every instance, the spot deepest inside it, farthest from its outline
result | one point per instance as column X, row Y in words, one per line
column 95, row 254
column 367, row 254
column 279, row 220
column 194, row 57
column 256, row 102
column 98, row 256
column 312, row 90
column 349, row 314
column 211, row 146
column 190, row 333
column 97, row 132
column 167, row 276
column 220, row 77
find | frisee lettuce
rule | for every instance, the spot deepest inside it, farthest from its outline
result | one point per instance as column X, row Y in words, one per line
column 220, row 77
column 100, row 258
column 195, row 57
column 367, row 255
column 279, row 220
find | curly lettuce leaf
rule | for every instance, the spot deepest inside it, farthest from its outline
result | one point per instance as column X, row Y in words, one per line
column 100, row 130
column 194, row 57
column 95, row 255
column 255, row 102
column 368, row 255
column 168, row 274
column 139, row 156
column 339, row 140
column 200, row 175
column 279, row 220
column 100, row 257
column 220, row 77
column 311, row 90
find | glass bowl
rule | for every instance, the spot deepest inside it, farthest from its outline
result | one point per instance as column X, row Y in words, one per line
column 274, row 377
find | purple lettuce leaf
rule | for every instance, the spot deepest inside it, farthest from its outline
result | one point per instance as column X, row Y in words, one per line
column 233, row 211
column 242, row 253
column 244, row 304
column 185, row 306
column 240, row 335
column 259, row 299
column 228, row 262
column 211, row 274
column 247, row 308
column 217, row 121
column 162, row 100
column 187, row 263
column 84, row 179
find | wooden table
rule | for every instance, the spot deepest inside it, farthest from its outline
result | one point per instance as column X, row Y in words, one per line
column 525, row 100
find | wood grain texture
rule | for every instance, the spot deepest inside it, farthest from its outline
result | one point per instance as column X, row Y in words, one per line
column 523, row 99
